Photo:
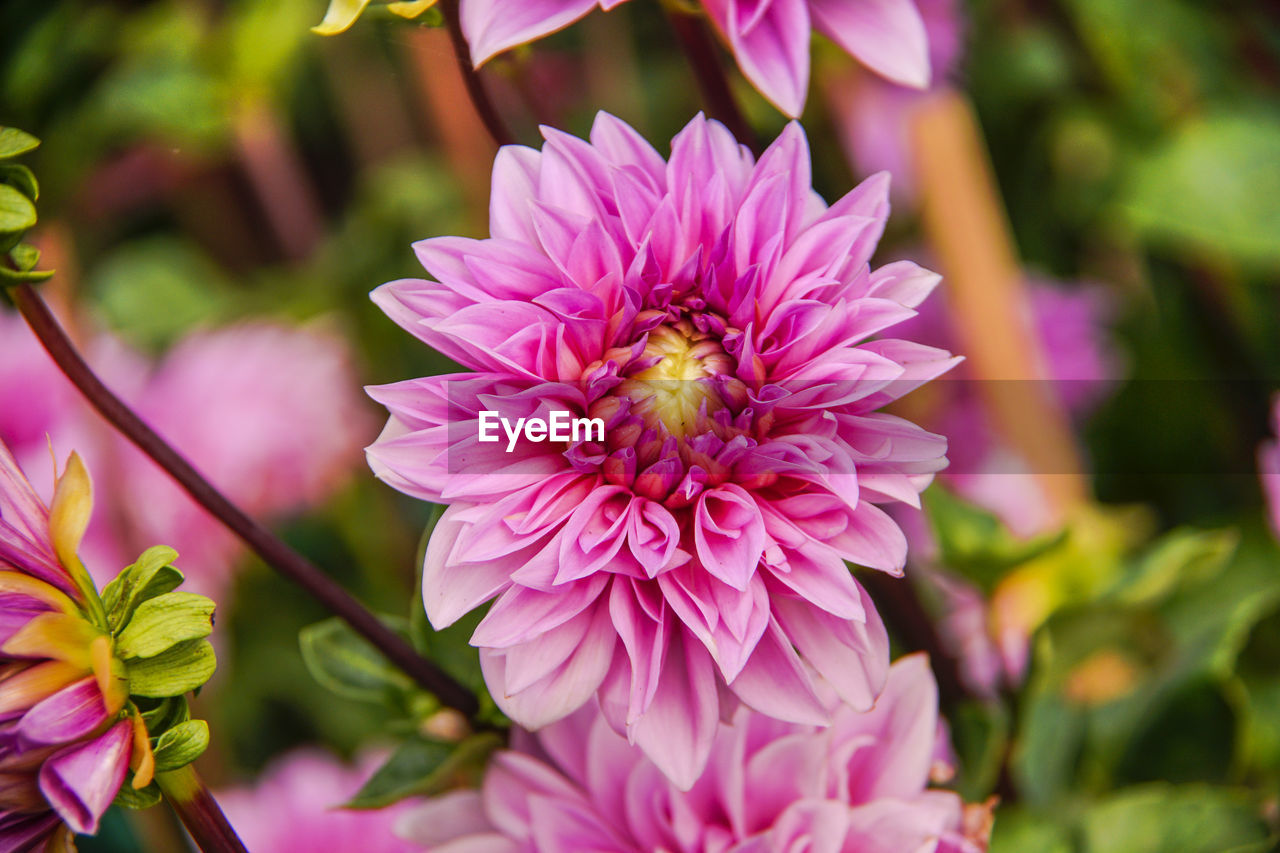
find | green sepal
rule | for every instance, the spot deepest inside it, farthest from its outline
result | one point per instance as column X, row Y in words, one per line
column 14, row 142
column 150, row 576
column 19, row 276
column 180, row 745
column 164, row 621
column 129, row 797
column 422, row 766
column 175, row 671
column 20, row 178
column 160, row 715
column 17, row 213
column 347, row 664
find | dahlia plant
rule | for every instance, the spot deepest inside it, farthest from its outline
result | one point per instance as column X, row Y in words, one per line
column 859, row 785
column 717, row 318
column 90, row 685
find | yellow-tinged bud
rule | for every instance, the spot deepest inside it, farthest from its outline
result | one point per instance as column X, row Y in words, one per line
column 113, row 682
column 69, row 513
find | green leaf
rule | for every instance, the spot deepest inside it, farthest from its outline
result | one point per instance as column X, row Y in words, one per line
column 150, row 576
column 20, row 178
column 347, row 664
column 1214, row 187
column 17, row 213
column 975, row 543
column 165, row 621
column 1179, row 558
column 181, row 745
column 14, row 142
column 178, row 670
column 1166, row 819
column 422, row 766
column 129, row 798
column 1019, row 831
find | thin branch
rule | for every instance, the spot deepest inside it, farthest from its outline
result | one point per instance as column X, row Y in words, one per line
column 266, row 545
column 702, row 52
column 199, row 812
column 475, row 86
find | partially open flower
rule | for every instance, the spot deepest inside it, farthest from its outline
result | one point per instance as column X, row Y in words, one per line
column 70, row 732
column 860, row 785
column 716, row 318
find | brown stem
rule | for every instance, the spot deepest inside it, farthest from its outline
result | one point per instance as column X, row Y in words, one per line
column 475, row 87
column 266, row 545
column 701, row 51
column 199, row 812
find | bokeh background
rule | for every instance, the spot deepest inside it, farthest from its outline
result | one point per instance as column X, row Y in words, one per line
column 221, row 188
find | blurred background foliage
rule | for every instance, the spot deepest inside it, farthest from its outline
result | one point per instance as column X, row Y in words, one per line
column 205, row 162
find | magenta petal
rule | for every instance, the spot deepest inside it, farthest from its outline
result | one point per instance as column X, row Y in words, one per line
column 886, row 35
column 492, row 26
column 853, row 656
column 775, row 682
column 71, row 713
column 771, row 46
column 677, row 731
column 729, row 534
column 81, row 781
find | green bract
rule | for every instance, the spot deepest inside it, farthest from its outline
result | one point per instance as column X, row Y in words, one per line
column 18, row 193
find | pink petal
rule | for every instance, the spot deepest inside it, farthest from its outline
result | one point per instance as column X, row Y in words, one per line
column 729, row 534
column 81, row 781
column 886, row 35
column 71, row 713
column 677, row 731
column 774, row 682
column 492, row 26
column 772, row 47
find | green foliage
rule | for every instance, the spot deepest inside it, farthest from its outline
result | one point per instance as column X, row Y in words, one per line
column 422, row 766
column 347, row 664
column 152, row 575
column 974, row 543
column 178, row 669
column 164, row 621
column 1213, row 188
column 181, row 745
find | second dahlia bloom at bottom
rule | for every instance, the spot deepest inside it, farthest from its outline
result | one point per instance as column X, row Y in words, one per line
column 859, row 786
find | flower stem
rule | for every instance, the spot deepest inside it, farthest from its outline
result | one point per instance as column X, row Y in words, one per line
column 266, row 545
column 199, row 811
column 475, row 86
column 701, row 51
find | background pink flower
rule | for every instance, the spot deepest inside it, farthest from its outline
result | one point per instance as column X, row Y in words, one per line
column 715, row 314
column 1269, row 469
column 769, row 38
column 294, row 808
column 269, row 413
column 860, row 785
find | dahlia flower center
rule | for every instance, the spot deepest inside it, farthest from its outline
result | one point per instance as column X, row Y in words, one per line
column 678, row 388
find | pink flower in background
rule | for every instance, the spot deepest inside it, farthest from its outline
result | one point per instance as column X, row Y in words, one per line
column 770, row 787
column 294, row 807
column 266, row 412
column 874, row 115
column 714, row 314
column 275, row 440
column 1269, row 469
column 64, row 746
column 769, row 38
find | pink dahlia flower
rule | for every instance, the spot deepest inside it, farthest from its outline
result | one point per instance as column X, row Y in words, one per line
column 859, row 785
column 275, row 440
column 1269, row 469
column 769, row 38
column 267, row 412
column 295, row 807
column 715, row 316
column 64, row 743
